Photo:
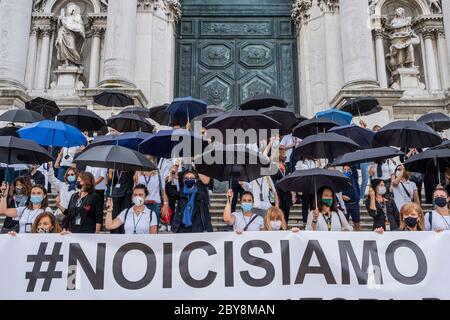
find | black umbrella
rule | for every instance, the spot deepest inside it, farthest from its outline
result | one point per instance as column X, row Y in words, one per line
column 21, row 115
column 20, row 151
column 367, row 155
column 444, row 145
column 300, row 118
column 46, row 108
column 262, row 101
column 406, row 134
column 362, row 106
column 309, row 181
column 160, row 115
column 207, row 118
column 215, row 109
column 115, row 157
column 113, row 99
column 140, row 111
column 313, row 126
column 83, row 119
column 129, row 122
column 232, row 162
column 429, row 161
column 282, row 115
column 244, row 120
column 10, row 131
column 325, row 146
column 436, row 120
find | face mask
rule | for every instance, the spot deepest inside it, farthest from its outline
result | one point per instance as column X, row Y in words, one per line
column 246, row 207
column 381, row 190
column 36, row 199
column 276, row 225
column 79, row 186
column 348, row 174
column 43, row 230
column 441, row 202
column 398, row 173
column 327, row 202
column 19, row 190
column 410, row 222
column 189, row 182
column 138, row 201
column 71, row 178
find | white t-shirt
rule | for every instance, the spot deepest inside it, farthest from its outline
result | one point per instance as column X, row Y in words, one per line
column 387, row 170
column 68, row 153
column 305, row 165
column 240, row 221
column 26, row 217
column 400, row 196
column 152, row 184
column 97, row 173
column 287, row 141
column 439, row 221
column 141, row 222
column 258, row 187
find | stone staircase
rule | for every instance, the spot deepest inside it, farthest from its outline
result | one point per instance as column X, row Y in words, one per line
column 218, row 201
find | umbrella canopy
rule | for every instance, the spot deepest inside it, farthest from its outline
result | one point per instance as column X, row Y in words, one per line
column 207, row 118
column 314, row 126
column 309, row 181
column 187, row 108
column 436, row 120
column 21, row 115
column 53, row 133
column 129, row 122
column 83, row 119
column 130, row 140
column 429, row 161
column 362, row 106
column 115, row 157
column 368, row 155
column 443, row 145
column 361, row 136
column 215, row 109
column 140, row 111
column 341, row 117
column 406, row 134
column 113, row 99
column 20, row 151
column 284, row 116
column 10, row 131
column 164, row 142
column 46, row 108
column 160, row 115
column 228, row 162
column 244, row 120
column 325, row 146
column 263, row 101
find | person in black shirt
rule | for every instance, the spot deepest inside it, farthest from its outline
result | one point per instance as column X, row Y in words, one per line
column 383, row 210
column 18, row 197
column 84, row 213
column 121, row 184
column 37, row 178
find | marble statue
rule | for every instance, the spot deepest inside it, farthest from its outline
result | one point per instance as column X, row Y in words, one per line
column 71, row 35
column 402, row 40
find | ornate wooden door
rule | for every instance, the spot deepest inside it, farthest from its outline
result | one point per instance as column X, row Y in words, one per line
column 226, row 60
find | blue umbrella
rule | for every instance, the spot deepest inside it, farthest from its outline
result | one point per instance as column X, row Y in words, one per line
column 53, row 133
column 164, row 142
column 130, row 140
column 341, row 117
column 361, row 136
column 186, row 108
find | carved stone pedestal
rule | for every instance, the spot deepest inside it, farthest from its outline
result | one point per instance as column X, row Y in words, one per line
column 408, row 79
column 68, row 81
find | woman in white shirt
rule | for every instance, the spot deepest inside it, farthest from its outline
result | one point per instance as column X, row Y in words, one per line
column 439, row 218
column 26, row 215
column 327, row 217
column 64, row 160
column 136, row 220
column 383, row 170
column 264, row 192
column 244, row 220
column 404, row 190
column 65, row 188
column 307, row 198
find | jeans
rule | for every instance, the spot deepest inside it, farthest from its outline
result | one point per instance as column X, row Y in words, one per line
column 353, row 211
column 364, row 178
column 61, row 172
column 155, row 207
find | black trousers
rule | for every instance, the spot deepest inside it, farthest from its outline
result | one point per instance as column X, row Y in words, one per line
column 430, row 183
column 120, row 204
column 307, row 205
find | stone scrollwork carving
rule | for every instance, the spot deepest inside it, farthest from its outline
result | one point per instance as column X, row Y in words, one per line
column 330, row 6
column 301, row 11
column 435, row 6
column 372, row 5
column 104, row 5
column 173, row 7
column 38, row 5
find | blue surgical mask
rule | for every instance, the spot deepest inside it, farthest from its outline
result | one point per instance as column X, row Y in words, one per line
column 71, row 179
column 189, row 183
column 247, row 207
column 36, row 199
column 348, row 174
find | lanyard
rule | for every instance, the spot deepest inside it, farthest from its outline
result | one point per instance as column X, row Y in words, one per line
column 445, row 220
column 29, row 213
column 328, row 221
column 119, row 175
column 147, row 181
column 136, row 224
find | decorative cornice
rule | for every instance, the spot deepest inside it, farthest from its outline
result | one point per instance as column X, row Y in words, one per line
column 328, row 6
column 301, row 11
column 147, row 5
column 39, row 5
column 173, row 9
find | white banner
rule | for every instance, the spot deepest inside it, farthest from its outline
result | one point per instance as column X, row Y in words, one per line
column 222, row 266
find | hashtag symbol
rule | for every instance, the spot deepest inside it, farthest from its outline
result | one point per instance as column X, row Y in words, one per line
column 50, row 273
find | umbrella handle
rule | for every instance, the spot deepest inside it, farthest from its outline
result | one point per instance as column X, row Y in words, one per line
column 111, row 186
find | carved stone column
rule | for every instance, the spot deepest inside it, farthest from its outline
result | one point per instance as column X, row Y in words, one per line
column 433, row 82
column 443, row 59
column 32, row 57
column 381, row 60
column 446, row 18
column 44, row 58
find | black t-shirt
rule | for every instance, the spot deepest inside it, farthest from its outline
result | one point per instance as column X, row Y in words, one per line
column 83, row 214
column 122, row 183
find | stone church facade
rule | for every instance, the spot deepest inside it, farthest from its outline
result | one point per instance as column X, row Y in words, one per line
column 314, row 53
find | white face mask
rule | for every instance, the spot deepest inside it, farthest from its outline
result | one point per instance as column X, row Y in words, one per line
column 276, row 225
column 138, row 201
column 381, row 190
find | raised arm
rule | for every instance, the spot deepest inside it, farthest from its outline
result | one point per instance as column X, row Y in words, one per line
column 3, row 202
column 228, row 217
column 111, row 224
